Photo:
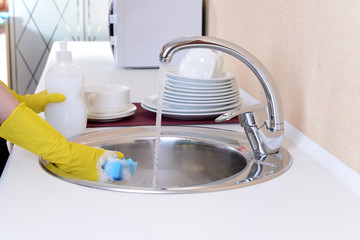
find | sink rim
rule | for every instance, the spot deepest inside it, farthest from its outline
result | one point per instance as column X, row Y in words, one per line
column 232, row 139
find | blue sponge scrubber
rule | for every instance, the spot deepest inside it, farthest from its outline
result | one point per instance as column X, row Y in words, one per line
column 119, row 169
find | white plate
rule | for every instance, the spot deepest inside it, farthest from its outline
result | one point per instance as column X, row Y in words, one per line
column 195, row 97
column 200, row 89
column 203, row 81
column 111, row 119
column 151, row 103
column 206, row 94
column 223, row 76
column 201, row 84
column 198, row 106
column 171, row 99
column 189, row 116
column 112, row 116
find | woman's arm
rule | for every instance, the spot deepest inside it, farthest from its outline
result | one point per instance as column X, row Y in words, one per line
column 8, row 103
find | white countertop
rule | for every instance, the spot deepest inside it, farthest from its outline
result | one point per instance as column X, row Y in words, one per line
column 304, row 203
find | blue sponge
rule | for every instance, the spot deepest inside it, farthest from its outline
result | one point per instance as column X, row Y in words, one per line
column 120, row 169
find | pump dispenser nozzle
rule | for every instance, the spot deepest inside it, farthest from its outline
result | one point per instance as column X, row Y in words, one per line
column 63, row 44
column 63, row 54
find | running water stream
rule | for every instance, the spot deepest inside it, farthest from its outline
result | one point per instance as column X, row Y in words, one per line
column 161, row 85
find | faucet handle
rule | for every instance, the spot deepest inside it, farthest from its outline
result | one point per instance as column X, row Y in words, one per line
column 253, row 119
column 252, row 116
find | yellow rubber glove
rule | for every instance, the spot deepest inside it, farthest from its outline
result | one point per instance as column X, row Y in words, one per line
column 38, row 101
column 29, row 131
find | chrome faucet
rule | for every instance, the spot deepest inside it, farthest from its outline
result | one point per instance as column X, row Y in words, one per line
column 264, row 129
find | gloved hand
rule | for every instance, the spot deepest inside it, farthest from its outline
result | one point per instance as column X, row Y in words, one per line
column 26, row 129
column 38, row 101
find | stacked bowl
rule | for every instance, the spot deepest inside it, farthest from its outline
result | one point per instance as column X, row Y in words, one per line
column 196, row 93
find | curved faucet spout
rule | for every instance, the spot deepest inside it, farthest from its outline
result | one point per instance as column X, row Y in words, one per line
column 275, row 120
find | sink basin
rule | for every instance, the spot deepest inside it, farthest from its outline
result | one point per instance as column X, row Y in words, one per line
column 192, row 159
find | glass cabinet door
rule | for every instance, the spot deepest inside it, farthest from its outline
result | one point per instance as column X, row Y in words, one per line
column 36, row 24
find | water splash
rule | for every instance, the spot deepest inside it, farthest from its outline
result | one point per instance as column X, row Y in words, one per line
column 161, row 85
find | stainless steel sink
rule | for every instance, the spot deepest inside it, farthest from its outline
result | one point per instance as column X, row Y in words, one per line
column 192, row 159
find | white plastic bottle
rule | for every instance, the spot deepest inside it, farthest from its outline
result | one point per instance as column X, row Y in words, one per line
column 68, row 117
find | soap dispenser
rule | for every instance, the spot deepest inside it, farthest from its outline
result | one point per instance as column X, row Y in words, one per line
column 70, row 116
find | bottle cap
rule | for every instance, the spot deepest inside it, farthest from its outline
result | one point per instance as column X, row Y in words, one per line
column 63, row 54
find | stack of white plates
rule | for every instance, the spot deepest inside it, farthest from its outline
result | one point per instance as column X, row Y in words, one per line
column 196, row 98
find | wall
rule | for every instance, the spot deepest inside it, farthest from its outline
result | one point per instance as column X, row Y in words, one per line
column 312, row 49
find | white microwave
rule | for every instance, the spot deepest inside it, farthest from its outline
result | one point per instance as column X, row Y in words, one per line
column 139, row 28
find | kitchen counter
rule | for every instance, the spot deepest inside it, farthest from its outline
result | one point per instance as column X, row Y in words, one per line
column 306, row 202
